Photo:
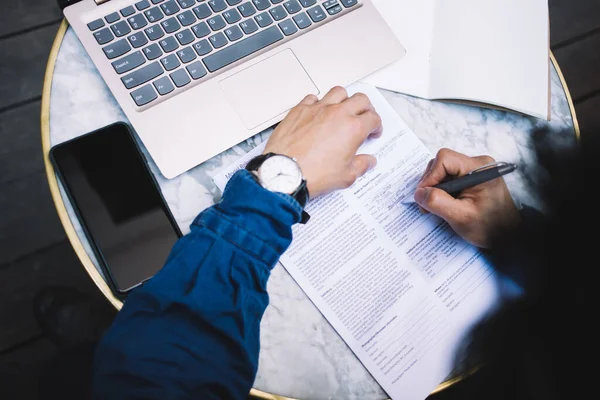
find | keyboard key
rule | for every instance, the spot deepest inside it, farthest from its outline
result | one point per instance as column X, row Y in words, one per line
column 186, row 18
column 233, row 2
column 127, row 11
column 157, row 1
column 170, row 7
column 170, row 62
column 169, row 44
column 129, row 62
column 202, row 47
column 263, row 19
column 97, row 24
column 316, row 14
column 202, row 11
column 302, row 20
column 114, row 17
column 170, row 25
column 288, row 27
column 152, row 52
column 261, row 4
column 142, row 5
column 234, row 33
column 186, row 3
column 278, row 13
column 349, row 3
column 232, row 16
column 308, row 3
column 155, row 32
column 116, row 49
column 247, row 9
column 276, row 1
column 121, row 28
column 217, row 22
column 292, row 6
column 163, row 85
column 180, row 78
column 196, row 70
column 186, row 55
column 138, row 40
column 330, row 3
column 144, row 95
column 142, row 75
column 334, row 10
column 137, row 21
column 103, row 36
column 249, row 26
column 185, row 37
column 218, row 40
column 201, row 30
column 243, row 48
column 217, row 5
column 154, row 14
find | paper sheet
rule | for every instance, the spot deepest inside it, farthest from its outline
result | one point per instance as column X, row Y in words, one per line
column 399, row 287
column 493, row 53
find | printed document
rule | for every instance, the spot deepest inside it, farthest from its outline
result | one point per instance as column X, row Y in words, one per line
column 401, row 288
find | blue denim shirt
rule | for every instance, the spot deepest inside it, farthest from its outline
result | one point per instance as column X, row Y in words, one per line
column 192, row 331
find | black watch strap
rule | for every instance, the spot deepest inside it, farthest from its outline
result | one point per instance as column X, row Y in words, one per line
column 301, row 194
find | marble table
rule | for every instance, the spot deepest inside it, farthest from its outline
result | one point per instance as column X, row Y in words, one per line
column 302, row 356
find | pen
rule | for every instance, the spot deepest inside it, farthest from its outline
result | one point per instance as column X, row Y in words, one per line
column 476, row 177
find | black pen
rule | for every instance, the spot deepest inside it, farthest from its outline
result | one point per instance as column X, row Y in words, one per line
column 476, row 177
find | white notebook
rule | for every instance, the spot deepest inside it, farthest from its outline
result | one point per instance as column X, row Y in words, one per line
column 400, row 287
column 495, row 53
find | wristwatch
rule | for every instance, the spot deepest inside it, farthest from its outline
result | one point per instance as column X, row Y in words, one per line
column 282, row 174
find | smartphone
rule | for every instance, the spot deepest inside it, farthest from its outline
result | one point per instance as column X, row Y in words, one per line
column 119, row 204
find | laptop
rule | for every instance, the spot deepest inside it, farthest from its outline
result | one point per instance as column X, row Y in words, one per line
column 196, row 77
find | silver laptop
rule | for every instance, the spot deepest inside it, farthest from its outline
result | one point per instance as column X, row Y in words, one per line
column 196, row 77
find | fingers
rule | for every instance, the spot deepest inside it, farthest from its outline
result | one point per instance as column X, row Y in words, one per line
column 370, row 126
column 358, row 104
column 447, row 163
column 335, row 96
column 443, row 205
column 362, row 164
column 309, row 100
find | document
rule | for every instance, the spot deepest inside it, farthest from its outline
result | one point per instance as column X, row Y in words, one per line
column 401, row 288
column 486, row 52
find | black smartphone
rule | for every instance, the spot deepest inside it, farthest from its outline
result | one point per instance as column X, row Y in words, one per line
column 119, row 203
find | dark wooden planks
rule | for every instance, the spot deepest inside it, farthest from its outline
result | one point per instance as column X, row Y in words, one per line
column 20, row 369
column 588, row 114
column 22, row 65
column 55, row 265
column 580, row 63
column 570, row 19
column 19, row 15
column 21, row 150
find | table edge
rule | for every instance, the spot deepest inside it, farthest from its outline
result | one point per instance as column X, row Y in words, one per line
column 70, row 229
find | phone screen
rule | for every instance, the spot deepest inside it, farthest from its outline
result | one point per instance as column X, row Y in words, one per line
column 119, row 203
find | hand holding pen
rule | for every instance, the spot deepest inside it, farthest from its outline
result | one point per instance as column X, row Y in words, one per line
column 469, row 194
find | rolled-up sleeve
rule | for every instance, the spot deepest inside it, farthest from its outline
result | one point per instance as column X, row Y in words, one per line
column 192, row 331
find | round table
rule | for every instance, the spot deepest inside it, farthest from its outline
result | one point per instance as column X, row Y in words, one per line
column 301, row 355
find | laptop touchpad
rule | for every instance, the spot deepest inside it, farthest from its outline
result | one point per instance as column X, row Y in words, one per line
column 269, row 88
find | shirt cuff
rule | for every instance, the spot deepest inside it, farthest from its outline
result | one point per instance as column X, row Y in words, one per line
column 254, row 219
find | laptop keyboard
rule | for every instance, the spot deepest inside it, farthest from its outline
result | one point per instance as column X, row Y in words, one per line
column 160, row 46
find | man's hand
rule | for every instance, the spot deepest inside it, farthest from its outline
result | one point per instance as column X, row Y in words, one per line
column 478, row 214
column 324, row 136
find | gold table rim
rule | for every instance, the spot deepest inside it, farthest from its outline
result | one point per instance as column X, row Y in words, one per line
column 70, row 229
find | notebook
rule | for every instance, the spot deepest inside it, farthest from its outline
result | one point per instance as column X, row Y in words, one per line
column 400, row 287
column 490, row 53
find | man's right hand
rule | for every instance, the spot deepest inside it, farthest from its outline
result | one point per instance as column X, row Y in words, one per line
column 324, row 136
column 477, row 214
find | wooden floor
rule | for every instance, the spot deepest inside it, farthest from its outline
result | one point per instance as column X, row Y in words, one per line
column 34, row 251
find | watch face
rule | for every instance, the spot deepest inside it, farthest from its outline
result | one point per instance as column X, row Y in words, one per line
column 280, row 174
